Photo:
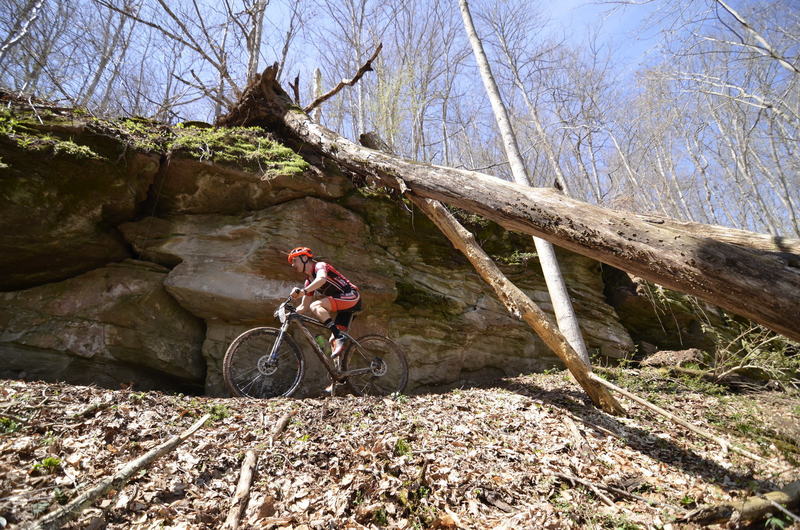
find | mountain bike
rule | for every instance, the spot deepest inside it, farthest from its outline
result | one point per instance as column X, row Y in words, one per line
column 267, row 362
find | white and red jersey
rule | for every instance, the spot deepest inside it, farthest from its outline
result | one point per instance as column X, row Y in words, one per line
column 336, row 284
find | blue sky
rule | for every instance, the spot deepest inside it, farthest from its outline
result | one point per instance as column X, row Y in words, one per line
column 620, row 29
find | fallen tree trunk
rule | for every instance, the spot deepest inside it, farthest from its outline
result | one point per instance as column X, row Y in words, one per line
column 762, row 286
column 749, row 510
column 518, row 303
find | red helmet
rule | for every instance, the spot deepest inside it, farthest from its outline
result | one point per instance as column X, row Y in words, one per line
column 299, row 251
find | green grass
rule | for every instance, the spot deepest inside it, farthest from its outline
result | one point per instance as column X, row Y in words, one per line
column 402, row 447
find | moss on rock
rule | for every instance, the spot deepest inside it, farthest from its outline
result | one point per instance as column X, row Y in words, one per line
column 24, row 133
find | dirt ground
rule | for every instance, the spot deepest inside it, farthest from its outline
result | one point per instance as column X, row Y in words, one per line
column 525, row 452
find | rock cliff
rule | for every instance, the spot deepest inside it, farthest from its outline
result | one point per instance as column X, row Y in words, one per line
column 134, row 253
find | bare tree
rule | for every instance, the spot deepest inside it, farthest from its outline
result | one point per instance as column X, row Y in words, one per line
column 565, row 314
column 28, row 15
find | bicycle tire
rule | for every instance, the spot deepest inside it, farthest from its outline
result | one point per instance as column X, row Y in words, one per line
column 387, row 360
column 245, row 377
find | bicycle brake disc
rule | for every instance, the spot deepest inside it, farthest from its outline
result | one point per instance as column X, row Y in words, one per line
column 378, row 367
column 265, row 367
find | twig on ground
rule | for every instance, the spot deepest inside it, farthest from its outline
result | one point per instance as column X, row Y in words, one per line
column 281, row 426
column 591, row 486
column 72, row 510
column 242, row 491
column 91, row 409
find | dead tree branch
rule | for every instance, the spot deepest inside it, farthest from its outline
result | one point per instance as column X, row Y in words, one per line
column 749, row 510
column 242, row 491
column 72, row 510
column 366, row 67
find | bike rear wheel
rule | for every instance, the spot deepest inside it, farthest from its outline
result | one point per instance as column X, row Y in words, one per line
column 248, row 372
column 386, row 361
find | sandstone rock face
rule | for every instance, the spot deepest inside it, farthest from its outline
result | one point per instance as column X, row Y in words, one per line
column 186, row 185
column 211, row 243
column 232, row 272
column 117, row 321
column 59, row 210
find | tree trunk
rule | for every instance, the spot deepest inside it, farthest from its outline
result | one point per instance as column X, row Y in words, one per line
column 562, row 305
column 763, row 286
column 518, row 303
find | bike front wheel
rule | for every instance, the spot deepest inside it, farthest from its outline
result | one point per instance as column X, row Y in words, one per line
column 384, row 365
column 249, row 372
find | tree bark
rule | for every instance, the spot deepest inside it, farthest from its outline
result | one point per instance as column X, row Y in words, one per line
column 762, row 286
column 556, row 288
column 518, row 303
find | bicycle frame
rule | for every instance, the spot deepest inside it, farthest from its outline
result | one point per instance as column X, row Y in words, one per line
column 287, row 314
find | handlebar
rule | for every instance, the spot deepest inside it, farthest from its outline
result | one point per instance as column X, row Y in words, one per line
column 284, row 306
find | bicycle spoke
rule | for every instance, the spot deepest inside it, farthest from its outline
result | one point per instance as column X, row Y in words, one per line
column 248, row 372
column 375, row 366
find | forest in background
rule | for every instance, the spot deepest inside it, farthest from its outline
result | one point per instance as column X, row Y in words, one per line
column 706, row 130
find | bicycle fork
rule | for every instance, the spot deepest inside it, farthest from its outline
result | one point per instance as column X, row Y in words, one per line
column 274, row 353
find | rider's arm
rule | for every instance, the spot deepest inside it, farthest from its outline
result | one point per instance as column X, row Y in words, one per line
column 318, row 282
column 309, row 289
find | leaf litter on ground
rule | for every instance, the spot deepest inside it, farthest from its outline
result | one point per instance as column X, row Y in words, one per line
column 524, row 452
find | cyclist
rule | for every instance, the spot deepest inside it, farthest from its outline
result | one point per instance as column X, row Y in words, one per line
column 340, row 295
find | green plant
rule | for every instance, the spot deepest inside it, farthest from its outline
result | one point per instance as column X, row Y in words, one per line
column 380, row 517
column 218, row 412
column 518, row 258
column 752, row 349
column 7, row 426
column 400, row 398
column 775, row 522
column 688, row 501
column 698, row 384
column 60, row 496
column 71, row 148
column 48, row 465
column 250, row 147
column 402, row 447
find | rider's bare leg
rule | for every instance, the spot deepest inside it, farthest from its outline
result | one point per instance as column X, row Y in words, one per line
column 322, row 309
